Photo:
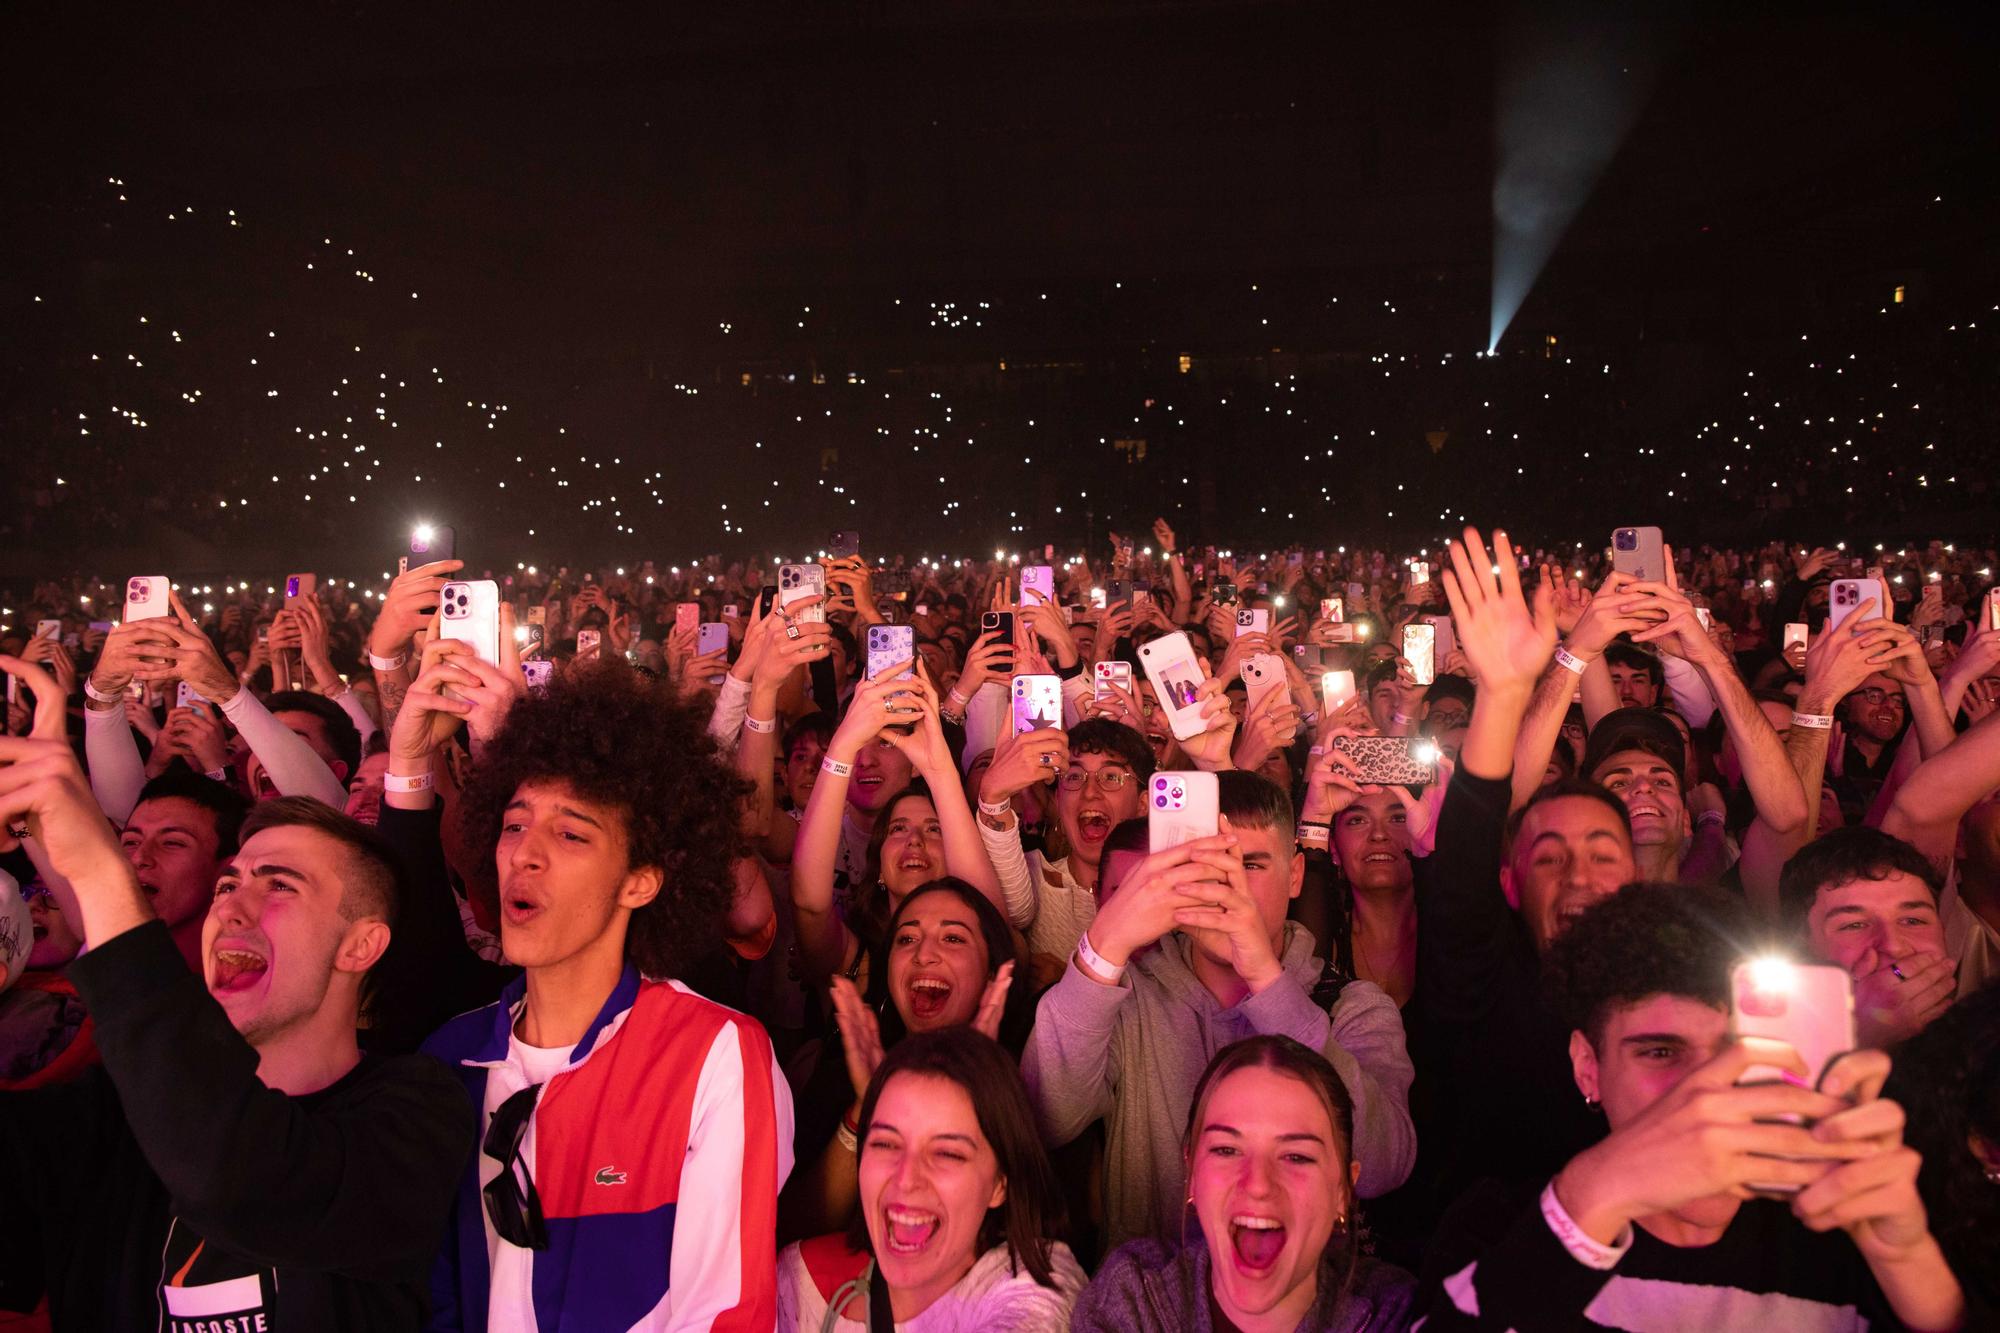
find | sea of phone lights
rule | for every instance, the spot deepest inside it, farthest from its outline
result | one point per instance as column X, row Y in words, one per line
column 326, row 427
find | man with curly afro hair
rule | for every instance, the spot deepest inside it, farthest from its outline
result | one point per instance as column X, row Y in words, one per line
column 634, row 1134
column 1720, row 1195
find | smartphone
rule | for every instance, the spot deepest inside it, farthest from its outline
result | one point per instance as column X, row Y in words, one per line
column 923, row 609
column 587, row 640
column 1409, row 761
column 1180, row 807
column 1226, row 593
column 732, row 611
column 797, row 582
column 1169, row 663
column 1846, row 596
column 687, row 615
column 1705, row 616
column 1252, row 620
column 1119, row 590
column 48, row 629
column 1098, row 601
column 1001, row 621
column 767, row 597
column 530, row 639
column 1109, row 674
column 1808, row 1006
column 1038, row 579
column 711, row 637
column 1336, row 691
column 146, row 597
column 1420, row 572
column 843, row 545
column 298, row 587
column 1333, row 608
column 1263, row 674
column 187, row 696
column 1311, row 657
column 1346, row 632
column 1420, row 651
column 891, row 645
column 1993, row 610
column 538, row 615
column 427, row 543
column 1037, row 702
column 538, row 673
column 1447, row 637
column 469, row 611
column 1640, row 552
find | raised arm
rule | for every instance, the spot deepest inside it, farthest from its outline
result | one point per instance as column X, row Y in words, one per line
column 930, row 756
column 1590, row 622
column 823, row 940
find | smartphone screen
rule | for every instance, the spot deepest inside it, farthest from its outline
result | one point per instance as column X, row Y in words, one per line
column 1332, row 608
column 1420, row 651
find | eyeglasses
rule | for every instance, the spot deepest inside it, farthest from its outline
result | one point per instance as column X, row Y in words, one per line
column 1109, row 779
column 1875, row 696
column 511, row 1202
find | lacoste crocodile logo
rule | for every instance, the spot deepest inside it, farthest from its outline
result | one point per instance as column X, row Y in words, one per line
column 608, row 1175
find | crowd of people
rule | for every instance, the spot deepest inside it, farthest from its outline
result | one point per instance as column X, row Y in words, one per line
column 678, row 960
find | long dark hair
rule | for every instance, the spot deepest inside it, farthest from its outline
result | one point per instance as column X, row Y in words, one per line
column 1031, row 1215
column 870, row 918
column 1019, row 1014
column 1294, row 1059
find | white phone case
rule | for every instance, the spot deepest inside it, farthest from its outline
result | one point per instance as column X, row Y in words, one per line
column 1263, row 675
column 1252, row 620
column 889, row 645
column 1041, row 579
column 1107, row 674
column 470, row 612
column 1170, row 664
column 146, row 597
column 1181, row 807
column 1845, row 597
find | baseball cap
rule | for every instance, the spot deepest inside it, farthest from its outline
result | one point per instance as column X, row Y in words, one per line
column 1644, row 729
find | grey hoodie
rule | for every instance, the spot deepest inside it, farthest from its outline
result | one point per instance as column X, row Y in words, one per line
column 1131, row 1055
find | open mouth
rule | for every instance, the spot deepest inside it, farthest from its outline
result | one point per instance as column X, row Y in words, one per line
column 915, row 861
column 1257, row 1241
column 235, row 969
column 909, row 1229
column 518, row 909
column 1381, row 858
column 1654, row 811
column 1093, row 825
column 929, row 996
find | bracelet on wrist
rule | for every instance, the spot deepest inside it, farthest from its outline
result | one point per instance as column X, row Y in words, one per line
column 101, row 697
column 834, row 768
column 1816, row 721
column 399, row 783
column 1707, row 817
column 1094, row 963
column 763, row 726
column 1569, row 660
column 386, row 663
column 849, row 1139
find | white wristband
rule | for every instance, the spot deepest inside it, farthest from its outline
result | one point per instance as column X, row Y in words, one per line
column 835, row 767
column 1094, row 963
column 763, row 726
column 1401, row 719
column 98, row 695
column 217, row 775
column 1817, row 721
column 397, row 782
column 1585, row 1249
column 1569, row 660
column 387, row 663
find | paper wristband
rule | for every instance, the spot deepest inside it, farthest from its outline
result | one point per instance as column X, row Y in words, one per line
column 1585, row 1249
column 1817, row 721
column 1094, row 963
column 1569, row 660
column 99, row 695
column 387, row 663
column 397, row 782
column 835, row 767
column 763, row 726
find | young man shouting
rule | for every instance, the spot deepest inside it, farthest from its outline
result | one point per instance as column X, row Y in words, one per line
column 237, row 1163
column 633, row 1134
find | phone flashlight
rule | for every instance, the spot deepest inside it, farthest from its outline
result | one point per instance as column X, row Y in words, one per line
column 520, row 634
column 1424, row 752
column 1278, row 602
column 424, row 532
column 1362, row 629
column 1772, row 975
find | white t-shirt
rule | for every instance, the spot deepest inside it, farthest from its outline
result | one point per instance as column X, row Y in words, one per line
column 991, row 1298
column 510, row 1295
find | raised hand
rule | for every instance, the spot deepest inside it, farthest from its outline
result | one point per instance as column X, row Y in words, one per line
column 411, row 600
column 860, row 1034
column 993, row 1002
column 1507, row 642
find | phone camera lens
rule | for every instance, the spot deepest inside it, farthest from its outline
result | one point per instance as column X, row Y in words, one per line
column 1161, row 800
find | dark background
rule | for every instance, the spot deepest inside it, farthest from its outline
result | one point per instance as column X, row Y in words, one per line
column 602, row 210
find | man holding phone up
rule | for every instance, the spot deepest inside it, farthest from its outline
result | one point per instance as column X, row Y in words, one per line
column 1190, row 953
column 1703, row 1208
